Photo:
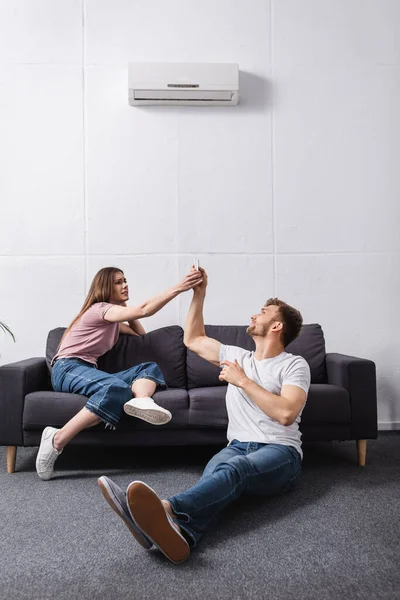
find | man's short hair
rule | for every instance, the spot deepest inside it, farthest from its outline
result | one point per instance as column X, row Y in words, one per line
column 291, row 320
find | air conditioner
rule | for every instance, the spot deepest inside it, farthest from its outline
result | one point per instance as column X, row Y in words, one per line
column 178, row 84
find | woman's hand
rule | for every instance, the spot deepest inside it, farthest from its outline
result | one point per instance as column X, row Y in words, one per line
column 192, row 279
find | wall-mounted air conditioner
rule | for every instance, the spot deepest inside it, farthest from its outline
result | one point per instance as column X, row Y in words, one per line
column 177, row 84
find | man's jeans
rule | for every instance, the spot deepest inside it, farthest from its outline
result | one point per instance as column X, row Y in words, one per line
column 241, row 467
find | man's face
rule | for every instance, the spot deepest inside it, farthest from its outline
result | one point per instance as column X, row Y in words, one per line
column 263, row 321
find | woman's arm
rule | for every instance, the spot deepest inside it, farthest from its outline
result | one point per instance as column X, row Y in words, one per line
column 118, row 314
column 137, row 327
column 126, row 329
column 133, row 327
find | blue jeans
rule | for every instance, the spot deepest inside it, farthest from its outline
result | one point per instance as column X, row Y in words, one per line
column 241, row 467
column 107, row 393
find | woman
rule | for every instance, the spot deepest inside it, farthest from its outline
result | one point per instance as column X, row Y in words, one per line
column 93, row 332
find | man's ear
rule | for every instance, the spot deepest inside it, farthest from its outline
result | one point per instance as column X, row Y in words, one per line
column 277, row 326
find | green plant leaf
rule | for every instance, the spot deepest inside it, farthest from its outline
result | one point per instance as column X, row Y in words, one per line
column 6, row 329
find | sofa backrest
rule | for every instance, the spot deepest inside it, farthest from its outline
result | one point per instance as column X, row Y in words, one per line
column 310, row 344
column 163, row 346
column 201, row 373
column 182, row 368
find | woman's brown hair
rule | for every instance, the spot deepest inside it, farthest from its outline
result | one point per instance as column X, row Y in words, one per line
column 100, row 291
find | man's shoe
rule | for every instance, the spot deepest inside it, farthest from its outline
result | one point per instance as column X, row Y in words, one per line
column 150, row 515
column 145, row 408
column 47, row 454
column 116, row 498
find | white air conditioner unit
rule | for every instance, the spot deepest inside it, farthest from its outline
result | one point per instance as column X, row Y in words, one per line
column 178, row 84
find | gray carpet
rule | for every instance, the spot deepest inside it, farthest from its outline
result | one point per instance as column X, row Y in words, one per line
column 336, row 536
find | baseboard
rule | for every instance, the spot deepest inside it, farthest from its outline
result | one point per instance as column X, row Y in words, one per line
column 389, row 426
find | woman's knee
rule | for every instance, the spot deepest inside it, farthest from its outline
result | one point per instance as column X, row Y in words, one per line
column 119, row 391
column 151, row 370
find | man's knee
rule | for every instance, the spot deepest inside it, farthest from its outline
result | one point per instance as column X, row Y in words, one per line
column 236, row 468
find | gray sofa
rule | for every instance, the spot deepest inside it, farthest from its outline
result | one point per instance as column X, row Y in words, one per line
column 342, row 403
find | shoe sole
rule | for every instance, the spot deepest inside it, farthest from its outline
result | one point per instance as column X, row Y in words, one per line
column 153, row 416
column 114, row 502
column 149, row 514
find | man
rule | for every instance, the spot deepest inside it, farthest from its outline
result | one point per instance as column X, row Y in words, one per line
column 266, row 393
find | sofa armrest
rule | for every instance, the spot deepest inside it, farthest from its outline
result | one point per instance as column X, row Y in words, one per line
column 16, row 380
column 358, row 376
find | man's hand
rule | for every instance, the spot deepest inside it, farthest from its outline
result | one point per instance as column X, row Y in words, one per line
column 201, row 288
column 233, row 373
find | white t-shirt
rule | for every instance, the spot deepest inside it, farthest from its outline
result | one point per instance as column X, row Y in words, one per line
column 247, row 422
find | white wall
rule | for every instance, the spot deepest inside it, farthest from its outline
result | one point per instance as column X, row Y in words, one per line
column 294, row 193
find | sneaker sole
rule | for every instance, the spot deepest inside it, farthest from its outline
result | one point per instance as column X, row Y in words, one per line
column 148, row 512
column 155, row 417
column 114, row 502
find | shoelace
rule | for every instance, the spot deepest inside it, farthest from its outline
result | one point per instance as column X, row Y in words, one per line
column 50, row 460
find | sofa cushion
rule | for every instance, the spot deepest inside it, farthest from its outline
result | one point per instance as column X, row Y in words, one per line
column 163, row 346
column 310, row 345
column 207, row 407
column 326, row 405
column 200, row 407
column 56, row 408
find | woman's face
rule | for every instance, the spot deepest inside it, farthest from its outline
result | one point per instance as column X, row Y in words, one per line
column 120, row 291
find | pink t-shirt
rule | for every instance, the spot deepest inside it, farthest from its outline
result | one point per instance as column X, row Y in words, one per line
column 91, row 336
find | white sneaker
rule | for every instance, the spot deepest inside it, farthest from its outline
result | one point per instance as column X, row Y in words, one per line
column 47, row 454
column 145, row 408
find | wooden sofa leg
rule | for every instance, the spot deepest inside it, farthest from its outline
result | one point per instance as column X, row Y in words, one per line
column 362, row 452
column 11, row 458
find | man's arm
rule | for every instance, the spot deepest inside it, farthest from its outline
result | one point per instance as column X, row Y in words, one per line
column 284, row 408
column 195, row 336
